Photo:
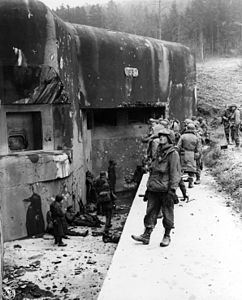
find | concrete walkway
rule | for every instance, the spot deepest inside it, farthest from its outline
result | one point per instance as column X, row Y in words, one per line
column 203, row 261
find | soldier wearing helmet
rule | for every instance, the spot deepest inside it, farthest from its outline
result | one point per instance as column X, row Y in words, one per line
column 164, row 122
column 235, row 124
column 190, row 148
column 58, row 216
column 225, row 120
column 164, row 178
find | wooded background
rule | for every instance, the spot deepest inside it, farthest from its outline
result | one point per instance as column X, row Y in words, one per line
column 208, row 27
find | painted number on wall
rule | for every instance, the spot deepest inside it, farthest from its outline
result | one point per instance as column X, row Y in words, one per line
column 131, row 72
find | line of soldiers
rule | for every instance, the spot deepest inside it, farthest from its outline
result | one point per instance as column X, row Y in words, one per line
column 172, row 151
column 231, row 122
column 188, row 139
column 100, row 193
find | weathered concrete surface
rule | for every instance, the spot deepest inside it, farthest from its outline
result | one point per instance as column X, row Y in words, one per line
column 1, row 253
column 25, row 173
column 202, row 262
column 123, row 145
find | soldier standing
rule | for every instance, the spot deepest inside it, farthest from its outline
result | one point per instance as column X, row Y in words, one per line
column 226, row 123
column 164, row 178
column 58, row 216
column 104, row 199
column 235, row 124
column 190, row 149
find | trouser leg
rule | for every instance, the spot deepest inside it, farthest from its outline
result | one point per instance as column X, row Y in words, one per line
column 198, row 173
column 108, row 216
column 153, row 208
column 226, row 131
column 236, row 135
column 168, row 214
column 232, row 133
column 190, row 179
column 168, row 221
column 183, row 189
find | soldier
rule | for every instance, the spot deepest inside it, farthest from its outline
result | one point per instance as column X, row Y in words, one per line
column 190, row 149
column 154, row 141
column 164, row 178
column 184, row 125
column 91, row 196
column 176, row 127
column 226, row 123
column 152, row 123
column 164, row 122
column 235, row 124
column 58, row 216
column 195, row 121
column 104, row 199
column 199, row 159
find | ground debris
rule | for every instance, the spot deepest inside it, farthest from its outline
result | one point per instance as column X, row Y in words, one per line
column 111, row 238
column 56, row 262
column 91, row 262
column 15, row 288
column 63, row 273
column 64, row 290
column 19, row 290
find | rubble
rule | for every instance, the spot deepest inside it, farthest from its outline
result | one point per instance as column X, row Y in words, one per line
column 38, row 268
column 18, row 289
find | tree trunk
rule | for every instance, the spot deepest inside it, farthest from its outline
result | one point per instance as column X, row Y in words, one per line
column 201, row 44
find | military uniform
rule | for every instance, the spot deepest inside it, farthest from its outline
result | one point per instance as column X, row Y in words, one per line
column 190, row 149
column 235, row 124
column 104, row 199
column 58, row 218
column 164, row 178
column 226, row 123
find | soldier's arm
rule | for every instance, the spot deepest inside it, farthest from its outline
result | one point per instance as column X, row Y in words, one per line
column 237, row 117
column 175, row 171
column 59, row 211
column 179, row 144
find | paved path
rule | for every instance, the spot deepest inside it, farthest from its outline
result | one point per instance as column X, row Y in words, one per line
column 203, row 261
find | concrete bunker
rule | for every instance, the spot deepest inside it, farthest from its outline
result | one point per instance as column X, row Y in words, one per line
column 72, row 98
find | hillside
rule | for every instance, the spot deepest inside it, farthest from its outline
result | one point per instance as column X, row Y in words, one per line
column 219, row 82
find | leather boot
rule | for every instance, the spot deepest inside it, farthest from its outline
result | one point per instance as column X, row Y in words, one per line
column 84, row 233
column 197, row 180
column 185, row 198
column 190, row 182
column 184, row 192
column 61, row 244
column 165, row 241
column 144, row 238
column 166, row 238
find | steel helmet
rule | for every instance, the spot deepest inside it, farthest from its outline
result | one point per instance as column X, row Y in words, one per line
column 169, row 133
column 187, row 121
column 191, row 127
column 164, row 123
column 157, row 128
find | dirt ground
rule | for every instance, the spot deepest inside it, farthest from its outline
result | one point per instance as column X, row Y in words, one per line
column 36, row 268
column 219, row 82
